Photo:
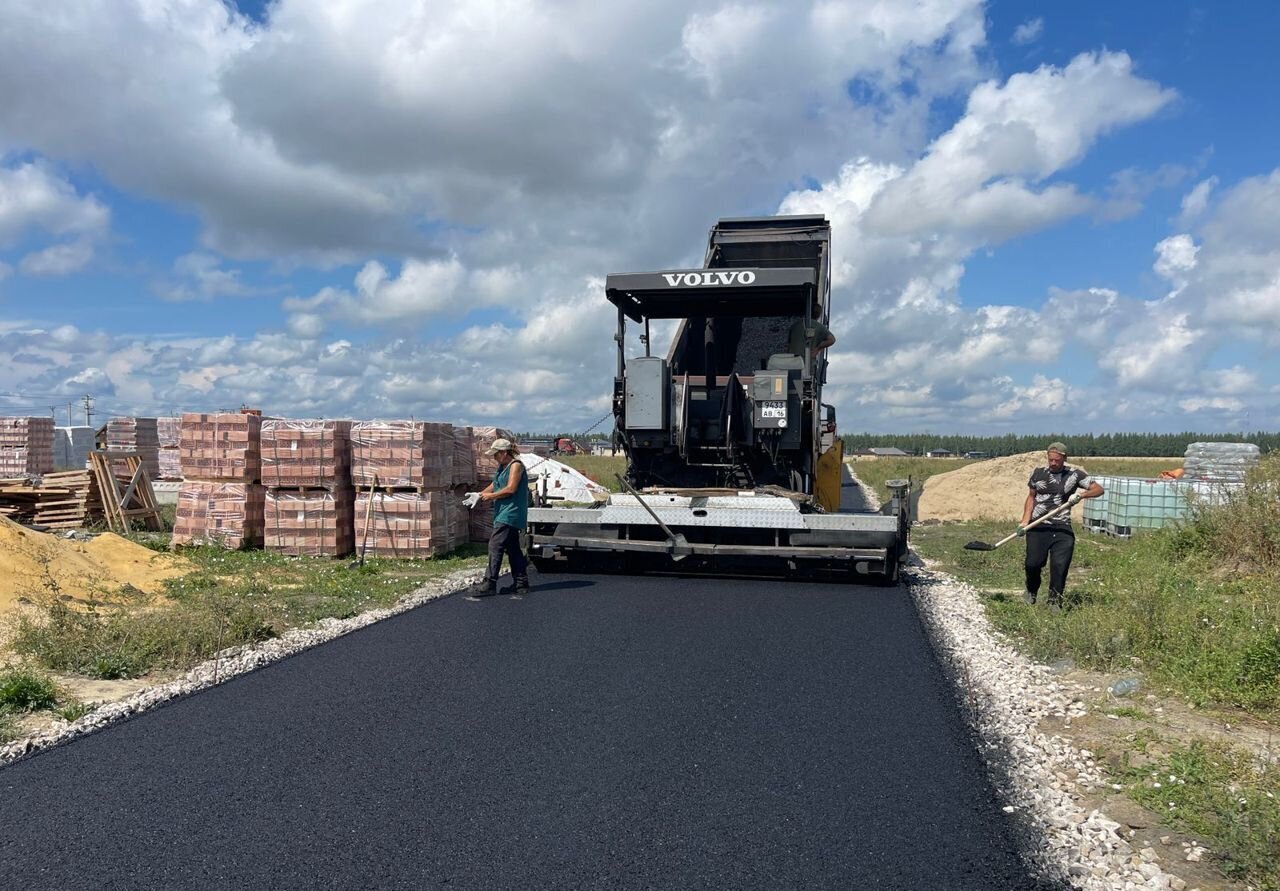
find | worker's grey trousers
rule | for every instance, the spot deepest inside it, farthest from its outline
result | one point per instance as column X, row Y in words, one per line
column 506, row 540
column 1046, row 544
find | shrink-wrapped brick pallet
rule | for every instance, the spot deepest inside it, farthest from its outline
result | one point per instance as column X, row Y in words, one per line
column 26, row 446
column 218, row 512
column 402, row 454
column 311, row 522
column 168, row 432
column 480, row 521
column 170, row 463
column 481, row 439
column 223, row 446
column 306, row 453
column 135, row 435
column 459, row 518
column 464, row 456
column 405, row 524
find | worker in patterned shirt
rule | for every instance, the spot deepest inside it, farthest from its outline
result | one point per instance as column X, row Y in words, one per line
column 1053, row 541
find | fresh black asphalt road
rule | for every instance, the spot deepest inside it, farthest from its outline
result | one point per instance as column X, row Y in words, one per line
column 605, row 732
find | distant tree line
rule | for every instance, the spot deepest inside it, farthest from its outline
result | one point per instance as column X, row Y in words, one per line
column 1103, row 445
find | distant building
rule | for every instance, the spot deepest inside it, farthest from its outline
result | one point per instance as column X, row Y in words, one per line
column 890, row 452
column 978, row 456
column 941, row 453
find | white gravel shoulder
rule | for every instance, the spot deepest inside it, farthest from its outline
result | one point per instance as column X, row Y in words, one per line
column 1039, row 776
column 228, row 664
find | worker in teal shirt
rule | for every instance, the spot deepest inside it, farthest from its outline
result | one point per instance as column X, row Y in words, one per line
column 509, row 495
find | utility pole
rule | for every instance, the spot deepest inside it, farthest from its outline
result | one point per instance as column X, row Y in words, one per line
column 88, row 409
column 70, row 405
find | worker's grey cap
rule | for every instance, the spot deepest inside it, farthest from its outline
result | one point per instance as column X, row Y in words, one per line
column 1059, row 447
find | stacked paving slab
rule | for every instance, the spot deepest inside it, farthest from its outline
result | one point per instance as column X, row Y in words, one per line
column 306, row 470
column 222, row 500
column 26, row 446
column 404, row 474
column 480, row 521
column 135, row 435
column 168, row 433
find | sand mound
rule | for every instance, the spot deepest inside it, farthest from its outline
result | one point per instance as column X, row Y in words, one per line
column 83, row 569
column 986, row 490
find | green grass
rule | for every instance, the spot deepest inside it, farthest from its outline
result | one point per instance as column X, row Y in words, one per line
column 232, row 597
column 875, row 472
column 1144, row 603
column 599, row 468
column 1228, row 797
column 22, row 690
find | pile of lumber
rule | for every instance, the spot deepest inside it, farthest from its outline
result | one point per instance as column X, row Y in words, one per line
column 221, row 500
column 137, row 435
column 402, row 454
column 56, row 500
column 26, row 446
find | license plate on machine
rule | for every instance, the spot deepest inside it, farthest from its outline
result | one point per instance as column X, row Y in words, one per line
column 773, row 410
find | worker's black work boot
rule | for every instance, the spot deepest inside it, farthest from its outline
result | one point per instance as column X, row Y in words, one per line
column 482, row 588
column 519, row 588
column 1055, row 602
column 1029, row 597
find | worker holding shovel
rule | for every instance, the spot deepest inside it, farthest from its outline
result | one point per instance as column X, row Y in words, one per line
column 1050, row 537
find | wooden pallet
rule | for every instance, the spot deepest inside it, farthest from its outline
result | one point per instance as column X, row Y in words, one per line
column 123, row 502
column 57, row 500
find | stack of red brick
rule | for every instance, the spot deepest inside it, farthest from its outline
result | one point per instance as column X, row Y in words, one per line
column 306, row 469
column 168, row 433
column 136, row 435
column 221, row 500
column 26, row 447
column 411, row 476
column 480, row 521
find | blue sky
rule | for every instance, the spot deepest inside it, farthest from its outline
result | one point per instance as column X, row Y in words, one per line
column 1046, row 217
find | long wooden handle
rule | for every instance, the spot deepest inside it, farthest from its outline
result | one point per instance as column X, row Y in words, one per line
column 1050, row 515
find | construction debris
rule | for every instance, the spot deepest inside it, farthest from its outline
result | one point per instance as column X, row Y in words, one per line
column 26, row 446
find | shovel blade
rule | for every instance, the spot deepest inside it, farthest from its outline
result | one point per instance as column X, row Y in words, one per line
column 979, row 546
column 680, row 547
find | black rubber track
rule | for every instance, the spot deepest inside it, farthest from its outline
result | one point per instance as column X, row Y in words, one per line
column 604, row 732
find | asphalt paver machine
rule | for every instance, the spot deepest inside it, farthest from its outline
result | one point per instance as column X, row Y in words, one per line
column 733, row 462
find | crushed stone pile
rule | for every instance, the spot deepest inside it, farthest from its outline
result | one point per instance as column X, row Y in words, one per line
column 31, row 563
column 986, row 490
